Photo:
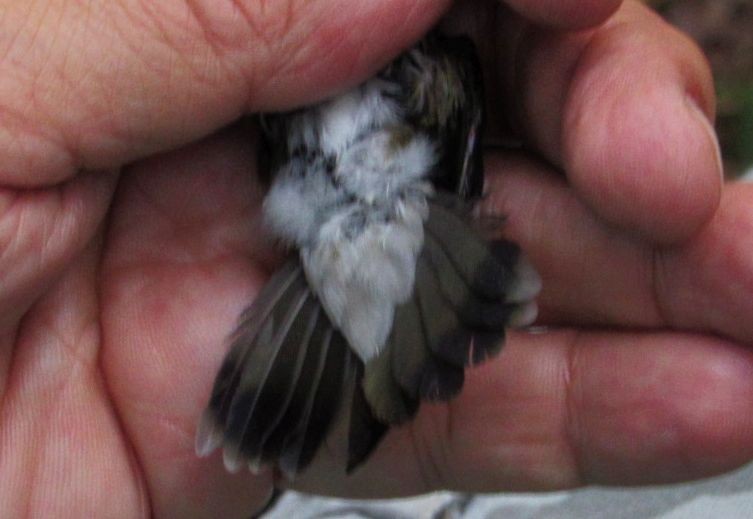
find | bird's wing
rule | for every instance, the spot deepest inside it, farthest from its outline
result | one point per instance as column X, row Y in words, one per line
column 282, row 383
column 443, row 94
column 467, row 292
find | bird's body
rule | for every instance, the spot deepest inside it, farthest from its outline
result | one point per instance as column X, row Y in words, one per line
column 354, row 206
column 392, row 291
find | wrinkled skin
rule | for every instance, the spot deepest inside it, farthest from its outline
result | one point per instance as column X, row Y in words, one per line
column 124, row 265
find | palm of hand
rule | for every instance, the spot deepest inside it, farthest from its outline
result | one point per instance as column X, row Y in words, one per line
column 108, row 368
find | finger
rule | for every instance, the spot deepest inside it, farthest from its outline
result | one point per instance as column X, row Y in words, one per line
column 57, row 426
column 41, row 231
column 93, row 88
column 565, row 409
column 592, row 273
column 176, row 274
column 567, row 14
column 625, row 111
column 598, row 275
column 707, row 282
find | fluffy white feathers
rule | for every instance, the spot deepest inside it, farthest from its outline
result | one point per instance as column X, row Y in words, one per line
column 361, row 278
column 357, row 214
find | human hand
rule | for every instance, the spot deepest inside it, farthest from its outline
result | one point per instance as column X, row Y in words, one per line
column 642, row 376
column 114, row 308
column 118, row 287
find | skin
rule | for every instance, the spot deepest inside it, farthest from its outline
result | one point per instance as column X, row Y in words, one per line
column 130, row 241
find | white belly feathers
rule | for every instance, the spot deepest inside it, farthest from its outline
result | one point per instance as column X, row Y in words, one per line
column 357, row 212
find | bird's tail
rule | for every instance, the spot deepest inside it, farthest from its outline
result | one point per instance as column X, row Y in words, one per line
column 290, row 375
column 282, row 383
column 467, row 292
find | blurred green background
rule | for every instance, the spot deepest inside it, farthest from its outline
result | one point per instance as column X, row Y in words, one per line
column 724, row 29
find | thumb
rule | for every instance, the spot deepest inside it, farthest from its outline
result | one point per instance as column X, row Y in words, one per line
column 85, row 87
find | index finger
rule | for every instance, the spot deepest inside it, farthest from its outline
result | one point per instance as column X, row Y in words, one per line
column 626, row 111
column 568, row 408
column 85, row 87
column 566, row 14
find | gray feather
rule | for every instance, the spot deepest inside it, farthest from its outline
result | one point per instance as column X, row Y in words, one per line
column 410, row 350
column 283, row 284
column 388, row 402
column 265, row 401
column 303, row 440
column 365, row 431
column 446, row 336
column 299, row 401
column 469, row 253
column 256, row 375
column 293, row 442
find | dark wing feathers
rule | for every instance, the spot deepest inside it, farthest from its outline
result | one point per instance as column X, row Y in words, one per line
column 389, row 402
column 472, row 257
column 211, row 432
column 303, row 441
column 444, row 98
column 300, row 401
column 446, row 336
column 462, row 138
column 364, row 430
column 260, row 405
column 409, row 351
column 275, row 396
column 467, row 292
column 289, row 373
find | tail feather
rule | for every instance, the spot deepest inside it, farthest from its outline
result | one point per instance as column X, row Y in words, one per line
column 283, row 284
column 469, row 253
column 290, row 373
column 388, row 401
column 409, row 349
column 275, row 397
column 260, row 404
column 365, row 431
column 255, row 371
column 303, row 392
column 303, row 441
column 258, row 375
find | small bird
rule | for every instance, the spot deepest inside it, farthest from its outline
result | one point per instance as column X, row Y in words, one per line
column 391, row 289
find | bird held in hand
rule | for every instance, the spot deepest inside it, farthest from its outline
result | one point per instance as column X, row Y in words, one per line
column 392, row 289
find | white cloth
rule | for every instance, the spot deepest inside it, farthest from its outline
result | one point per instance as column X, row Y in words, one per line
column 724, row 497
